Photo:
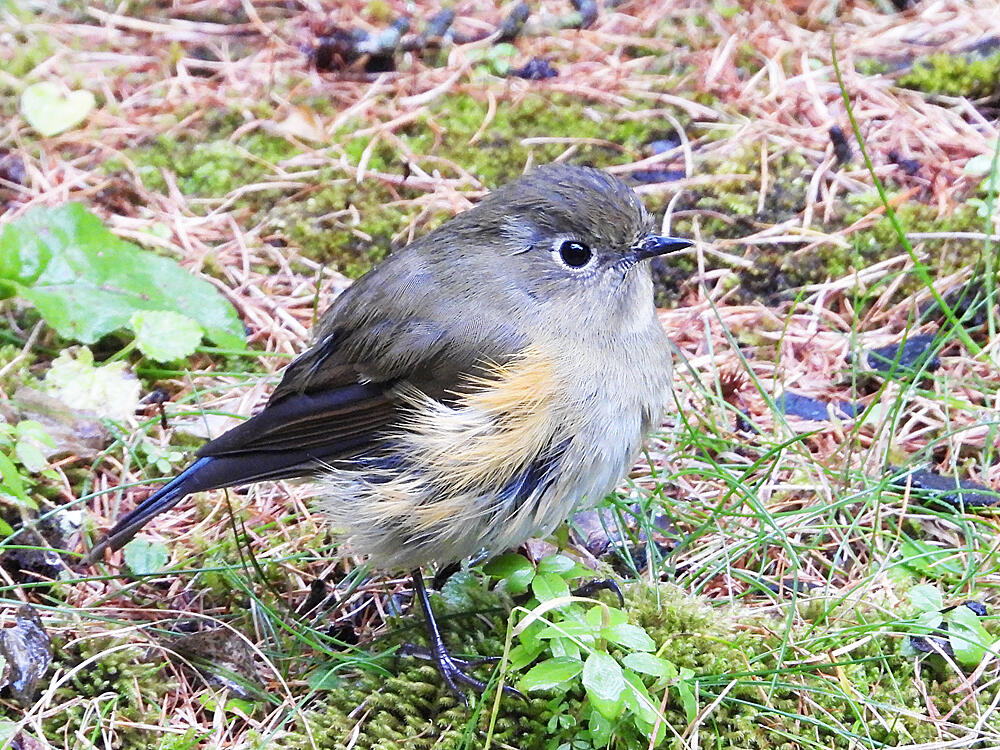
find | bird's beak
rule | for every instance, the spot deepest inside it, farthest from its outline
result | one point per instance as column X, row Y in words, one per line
column 655, row 245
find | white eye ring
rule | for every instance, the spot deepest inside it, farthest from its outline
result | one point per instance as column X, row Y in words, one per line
column 573, row 254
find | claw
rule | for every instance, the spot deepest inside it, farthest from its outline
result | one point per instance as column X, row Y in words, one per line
column 452, row 668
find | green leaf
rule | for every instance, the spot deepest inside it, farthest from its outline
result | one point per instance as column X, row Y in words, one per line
column 5, row 530
column 558, row 564
column 522, row 654
column 595, row 616
column 324, row 678
column 605, row 685
column 146, row 558
column 551, row 673
column 579, row 629
column 926, row 597
column 515, row 569
column 981, row 164
column 30, row 456
column 165, row 336
column 629, row 636
column 600, row 729
column 29, row 428
column 8, row 731
column 927, row 622
column 13, row 482
column 548, row 586
column 933, row 562
column 86, row 282
column 651, row 665
column 50, row 109
column 686, row 694
column 967, row 636
column 638, row 700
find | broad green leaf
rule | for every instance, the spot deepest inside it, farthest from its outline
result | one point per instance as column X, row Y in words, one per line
column 650, row 664
column 30, row 456
column 967, row 636
column 86, row 282
column 548, row 586
column 629, row 636
column 8, row 731
column 927, row 622
column 551, row 673
column 926, row 597
column 638, row 700
column 558, row 564
column 605, row 685
column 165, row 336
column 981, row 164
column 50, row 109
column 515, row 569
column 146, row 558
column 523, row 654
column 600, row 729
column 579, row 629
column 595, row 616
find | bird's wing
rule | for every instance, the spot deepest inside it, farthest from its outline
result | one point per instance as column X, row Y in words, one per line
column 340, row 397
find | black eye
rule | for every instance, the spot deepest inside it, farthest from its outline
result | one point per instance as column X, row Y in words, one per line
column 575, row 254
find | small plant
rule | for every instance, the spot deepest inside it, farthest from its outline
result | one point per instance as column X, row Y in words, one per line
column 986, row 166
column 86, row 283
column 21, row 454
column 956, row 631
column 570, row 643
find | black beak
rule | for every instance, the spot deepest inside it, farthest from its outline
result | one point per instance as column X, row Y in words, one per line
column 655, row 245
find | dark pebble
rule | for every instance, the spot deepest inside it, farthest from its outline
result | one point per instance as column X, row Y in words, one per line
column 536, row 69
column 895, row 359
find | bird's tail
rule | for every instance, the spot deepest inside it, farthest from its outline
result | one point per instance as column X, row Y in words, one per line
column 201, row 475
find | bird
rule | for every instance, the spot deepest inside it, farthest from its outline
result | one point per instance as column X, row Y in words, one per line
column 471, row 390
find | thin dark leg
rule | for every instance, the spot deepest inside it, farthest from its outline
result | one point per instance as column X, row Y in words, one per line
column 450, row 667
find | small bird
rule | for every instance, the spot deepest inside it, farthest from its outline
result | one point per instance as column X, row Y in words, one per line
column 470, row 390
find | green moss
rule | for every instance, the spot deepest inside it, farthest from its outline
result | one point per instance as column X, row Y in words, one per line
column 869, row 66
column 115, row 682
column 209, row 168
column 872, row 697
column 500, row 153
column 728, row 209
column 347, row 224
column 353, row 224
column 413, row 706
column 970, row 75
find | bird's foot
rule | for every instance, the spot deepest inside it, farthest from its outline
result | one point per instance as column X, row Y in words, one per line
column 454, row 669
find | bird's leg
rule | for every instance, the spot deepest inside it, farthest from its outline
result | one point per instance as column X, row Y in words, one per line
column 452, row 668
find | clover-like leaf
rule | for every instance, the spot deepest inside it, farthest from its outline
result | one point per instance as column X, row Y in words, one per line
column 51, row 109
column 165, row 336
column 146, row 558
column 513, row 568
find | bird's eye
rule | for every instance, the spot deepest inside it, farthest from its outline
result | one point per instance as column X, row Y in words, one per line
column 575, row 254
